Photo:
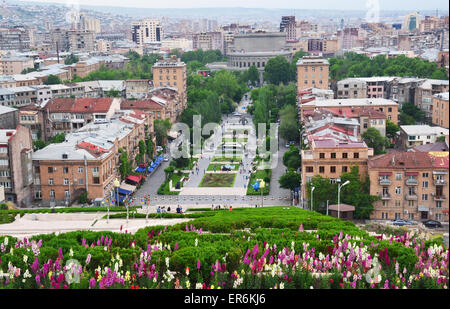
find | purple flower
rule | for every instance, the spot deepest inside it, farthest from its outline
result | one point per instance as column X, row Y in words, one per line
column 198, row 264
column 38, row 280
column 176, row 246
column 60, row 253
column 88, row 259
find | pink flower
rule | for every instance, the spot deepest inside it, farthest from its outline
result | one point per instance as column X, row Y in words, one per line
column 198, row 264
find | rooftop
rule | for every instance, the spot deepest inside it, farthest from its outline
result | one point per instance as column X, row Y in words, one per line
column 331, row 143
column 421, row 130
column 412, row 160
column 442, row 96
column 439, row 146
column 5, row 135
column 350, row 102
column 6, row 109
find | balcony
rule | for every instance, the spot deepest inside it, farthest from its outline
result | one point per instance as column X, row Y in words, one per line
column 411, row 182
column 440, row 182
column 385, row 196
column 411, row 197
column 439, row 197
column 384, row 181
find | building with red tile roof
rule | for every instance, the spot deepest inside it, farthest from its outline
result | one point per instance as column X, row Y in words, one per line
column 411, row 185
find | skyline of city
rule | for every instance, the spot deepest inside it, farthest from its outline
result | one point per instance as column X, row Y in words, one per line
column 282, row 4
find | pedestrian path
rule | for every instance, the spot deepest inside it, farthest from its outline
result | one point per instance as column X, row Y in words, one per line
column 213, row 191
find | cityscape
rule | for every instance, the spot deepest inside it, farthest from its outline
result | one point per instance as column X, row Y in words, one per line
column 248, row 145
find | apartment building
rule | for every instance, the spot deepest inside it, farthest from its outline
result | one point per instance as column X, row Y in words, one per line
column 171, row 72
column 312, row 72
column 146, row 31
column 351, row 88
column 14, row 38
column 24, row 96
column 16, row 148
column 329, row 157
column 425, row 92
column 416, row 135
column 411, row 185
column 88, row 160
column 208, row 41
column 289, row 26
column 15, row 65
column 440, row 110
column 7, row 81
column 388, row 107
column 137, row 88
column 7, row 97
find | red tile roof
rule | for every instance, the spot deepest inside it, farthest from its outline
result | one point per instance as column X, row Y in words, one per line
column 141, row 104
column 401, row 160
column 94, row 150
column 80, row 105
column 439, row 159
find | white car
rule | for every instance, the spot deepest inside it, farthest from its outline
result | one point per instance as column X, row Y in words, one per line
column 166, row 159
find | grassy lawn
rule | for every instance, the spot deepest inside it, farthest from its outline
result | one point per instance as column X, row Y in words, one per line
column 219, row 166
column 232, row 140
column 236, row 159
column 218, row 180
column 260, row 174
column 165, row 189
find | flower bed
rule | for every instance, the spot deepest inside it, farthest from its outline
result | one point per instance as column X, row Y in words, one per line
column 274, row 251
column 218, row 180
column 259, row 174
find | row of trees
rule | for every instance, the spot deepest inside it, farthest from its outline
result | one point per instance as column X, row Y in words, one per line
column 280, row 71
column 357, row 65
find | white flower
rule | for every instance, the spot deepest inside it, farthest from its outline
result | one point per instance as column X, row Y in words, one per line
column 25, row 258
column 198, row 286
column 116, row 267
column 71, row 252
column 6, row 241
column 188, row 284
column 167, row 262
column 196, row 242
column 311, row 287
column 282, row 285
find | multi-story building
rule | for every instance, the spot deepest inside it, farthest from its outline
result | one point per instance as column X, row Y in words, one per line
column 9, row 117
column 330, row 158
column 388, row 107
column 441, row 110
column 15, row 38
column 7, row 97
column 289, row 26
column 16, row 148
column 137, row 88
column 208, row 41
column 146, row 31
column 425, row 92
column 312, row 72
column 348, row 38
column 171, row 72
column 416, row 135
column 351, row 88
column 24, row 96
column 411, row 185
column 15, row 65
column 81, row 41
column 7, row 81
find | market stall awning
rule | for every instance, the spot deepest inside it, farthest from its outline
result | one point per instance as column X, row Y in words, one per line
column 119, row 197
column 127, row 187
column 423, row 208
column 140, row 170
column 124, row 192
column 133, row 178
column 150, row 169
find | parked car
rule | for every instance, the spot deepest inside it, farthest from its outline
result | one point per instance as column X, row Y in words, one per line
column 166, row 159
column 401, row 222
column 432, row 224
column 159, row 148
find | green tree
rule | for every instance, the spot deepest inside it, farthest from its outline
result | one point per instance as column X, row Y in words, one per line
column 290, row 180
column 375, row 140
column 39, row 144
column 71, row 59
column 277, row 70
column 391, row 130
column 58, row 138
column 292, row 158
column 149, row 145
column 253, row 75
column 161, row 126
column 324, row 191
column 53, row 80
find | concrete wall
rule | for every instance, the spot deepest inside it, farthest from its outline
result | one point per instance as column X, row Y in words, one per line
column 258, row 42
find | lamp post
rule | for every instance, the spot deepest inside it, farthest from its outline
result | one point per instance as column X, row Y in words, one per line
column 312, row 190
column 116, row 186
column 262, row 185
column 339, row 194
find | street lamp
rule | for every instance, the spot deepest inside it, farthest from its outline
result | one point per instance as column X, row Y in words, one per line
column 312, row 190
column 339, row 194
column 262, row 184
column 116, row 186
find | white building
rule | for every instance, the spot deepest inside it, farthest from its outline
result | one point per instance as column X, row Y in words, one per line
column 146, row 31
column 416, row 135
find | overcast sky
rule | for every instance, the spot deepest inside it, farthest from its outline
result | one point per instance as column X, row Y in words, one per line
column 282, row 4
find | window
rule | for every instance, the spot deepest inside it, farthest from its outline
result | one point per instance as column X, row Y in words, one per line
column 344, row 169
column 398, row 176
column 321, row 169
column 333, row 155
column 411, row 203
column 356, row 155
column 50, row 170
column 425, row 175
column 65, row 170
column 52, row 193
column 411, row 217
column 38, row 195
column 384, row 215
column 385, row 203
column 66, row 193
column 3, row 150
column 397, row 203
column 438, row 204
column 322, row 155
column 332, row 169
column 310, row 169
column 344, row 155
column 425, row 184
column 398, row 190
column 66, row 181
column 389, row 109
column 96, row 180
column 80, row 169
column 81, row 181
column 424, row 197
column 94, row 170
column 50, row 181
column 438, row 217
column 397, row 215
